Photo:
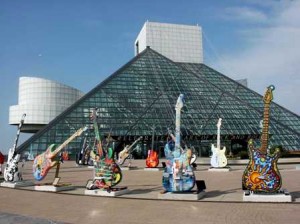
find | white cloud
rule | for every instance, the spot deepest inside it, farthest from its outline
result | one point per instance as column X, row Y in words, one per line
column 244, row 14
column 273, row 58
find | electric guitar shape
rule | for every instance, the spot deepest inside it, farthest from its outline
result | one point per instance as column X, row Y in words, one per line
column 124, row 154
column 152, row 160
column 45, row 161
column 218, row 158
column 178, row 175
column 107, row 172
column 11, row 171
column 261, row 173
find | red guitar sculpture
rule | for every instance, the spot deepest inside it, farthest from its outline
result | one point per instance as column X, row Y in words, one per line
column 45, row 161
column 152, row 160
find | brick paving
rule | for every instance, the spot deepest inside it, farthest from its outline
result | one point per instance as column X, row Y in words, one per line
column 222, row 202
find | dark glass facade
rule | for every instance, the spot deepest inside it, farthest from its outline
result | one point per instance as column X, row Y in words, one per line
column 142, row 95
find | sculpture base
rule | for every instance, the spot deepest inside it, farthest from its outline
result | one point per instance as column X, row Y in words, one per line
column 17, row 184
column 54, row 188
column 113, row 193
column 280, row 196
column 128, row 167
column 220, row 169
column 185, row 196
column 153, row 169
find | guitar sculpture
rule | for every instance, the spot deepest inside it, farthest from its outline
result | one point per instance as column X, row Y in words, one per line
column 107, row 172
column 193, row 157
column 218, row 158
column 11, row 171
column 45, row 161
column 152, row 160
column 124, row 154
column 178, row 175
column 82, row 158
column 262, row 174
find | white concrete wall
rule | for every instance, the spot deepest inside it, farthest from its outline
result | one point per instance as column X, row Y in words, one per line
column 180, row 43
column 41, row 100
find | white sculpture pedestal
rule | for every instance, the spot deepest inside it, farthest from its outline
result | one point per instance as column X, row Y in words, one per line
column 101, row 192
column 281, row 196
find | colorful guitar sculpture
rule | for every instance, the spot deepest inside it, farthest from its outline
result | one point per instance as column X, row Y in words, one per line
column 45, row 161
column 262, row 174
column 218, row 158
column 152, row 160
column 107, row 172
column 124, row 154
column 178, row 175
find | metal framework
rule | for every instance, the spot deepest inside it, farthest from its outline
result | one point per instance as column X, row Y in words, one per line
column 143, row 93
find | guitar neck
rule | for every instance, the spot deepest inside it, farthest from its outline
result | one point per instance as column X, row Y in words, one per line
column 265, row 129
column 130, row 147
column 177, row 130
column 18, row 134
column 152, row 143
column 218, row 138
column 58, row 149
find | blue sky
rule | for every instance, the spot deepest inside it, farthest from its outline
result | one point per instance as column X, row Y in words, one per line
column 80, row 43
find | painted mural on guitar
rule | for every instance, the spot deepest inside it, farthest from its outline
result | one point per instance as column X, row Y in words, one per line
column 152, row 159
column 107, row 173
column 178, row 175
column 48, row 159
column 261, row 173
column 11, row 170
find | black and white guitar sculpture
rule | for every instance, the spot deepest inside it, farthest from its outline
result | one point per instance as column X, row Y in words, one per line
column 11, row 171
column 178, row 175
column 218, row 158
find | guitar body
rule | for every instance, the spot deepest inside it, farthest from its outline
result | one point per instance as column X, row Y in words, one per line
column 123, row 155
column 152, row 160
column 178, row 175
column 43, row 163
column 11, row 171
column 218, row 158
column 65, row 156
column 107, row 172
column 193, row 159
column 262, row 174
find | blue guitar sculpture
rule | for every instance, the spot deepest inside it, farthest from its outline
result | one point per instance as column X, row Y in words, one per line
column 178, row 175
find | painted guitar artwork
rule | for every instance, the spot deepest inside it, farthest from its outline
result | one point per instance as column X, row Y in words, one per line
column 11, row 171
column 178, row 175
column 218, row 158
column 261, row 173
column 82, row 157
column 125, row 153
column 107, row 173
column 45, row 161
column 152, row 160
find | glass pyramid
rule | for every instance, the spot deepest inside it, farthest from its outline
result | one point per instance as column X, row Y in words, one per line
column 142, row 95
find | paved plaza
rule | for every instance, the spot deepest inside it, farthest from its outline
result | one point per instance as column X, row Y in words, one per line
column 222, row 202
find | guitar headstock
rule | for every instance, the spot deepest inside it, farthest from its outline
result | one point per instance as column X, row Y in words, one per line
column 179, row 103
column 219, row 123
column 23, row 118
column 80, row 131
column 93, row 114
column 269, row 95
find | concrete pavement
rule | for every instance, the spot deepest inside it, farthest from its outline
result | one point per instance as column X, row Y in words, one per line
column 222, row 202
